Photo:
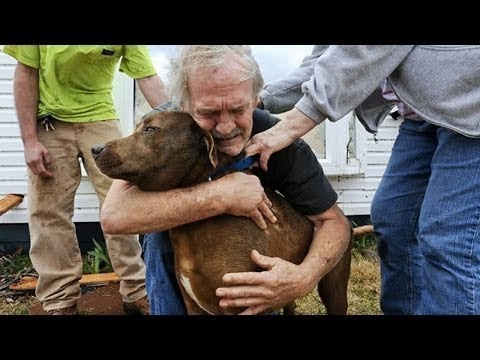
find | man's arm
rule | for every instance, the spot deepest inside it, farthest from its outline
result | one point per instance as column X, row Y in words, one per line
column 282, row 281
column 153, row 88
column 128, row 210
column 26, row 93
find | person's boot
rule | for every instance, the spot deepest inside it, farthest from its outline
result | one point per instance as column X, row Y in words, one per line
column 139, row 307
column 71, row 310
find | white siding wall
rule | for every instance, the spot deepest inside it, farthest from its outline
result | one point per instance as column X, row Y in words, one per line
column 13, row 172
column 355, row 192
column 13, row 177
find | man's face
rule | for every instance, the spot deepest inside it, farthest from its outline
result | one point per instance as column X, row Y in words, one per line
column 223, row 105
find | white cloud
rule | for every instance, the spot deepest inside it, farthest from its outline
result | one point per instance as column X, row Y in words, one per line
column 275, row 61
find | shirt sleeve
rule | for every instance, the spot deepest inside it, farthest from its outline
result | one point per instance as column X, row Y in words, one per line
column 26, row 54
column 136, row 61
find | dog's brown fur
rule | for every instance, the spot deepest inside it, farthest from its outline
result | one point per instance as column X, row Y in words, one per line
column 168, row 150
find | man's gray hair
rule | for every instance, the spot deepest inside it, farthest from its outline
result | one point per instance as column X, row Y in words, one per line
column 209, row 57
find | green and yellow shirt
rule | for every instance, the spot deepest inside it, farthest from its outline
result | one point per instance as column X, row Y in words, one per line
column 76, row 81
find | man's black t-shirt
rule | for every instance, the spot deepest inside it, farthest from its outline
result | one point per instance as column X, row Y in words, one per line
column 295, row 172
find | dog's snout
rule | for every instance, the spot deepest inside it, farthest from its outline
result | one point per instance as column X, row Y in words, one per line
column 96, row 150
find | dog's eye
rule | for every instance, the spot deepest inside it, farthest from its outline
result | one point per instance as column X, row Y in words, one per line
column 148, row 129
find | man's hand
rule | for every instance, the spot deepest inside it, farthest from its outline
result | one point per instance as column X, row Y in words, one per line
column 281, row 283
column 244, row 195
column 38, row 159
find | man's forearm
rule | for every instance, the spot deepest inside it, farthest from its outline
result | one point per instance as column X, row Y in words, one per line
column 26, row 101
column 330, row 240
column 153, row 88
column 128, row 210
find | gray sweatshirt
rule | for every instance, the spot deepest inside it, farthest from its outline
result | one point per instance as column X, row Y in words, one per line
column 441, row 83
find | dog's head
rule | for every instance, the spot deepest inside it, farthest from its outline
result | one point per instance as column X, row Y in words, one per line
column 164, row 148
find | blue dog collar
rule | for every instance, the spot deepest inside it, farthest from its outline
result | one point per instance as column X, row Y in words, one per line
column 243, row 164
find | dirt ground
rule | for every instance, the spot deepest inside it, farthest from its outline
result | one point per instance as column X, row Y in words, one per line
column 99, row 300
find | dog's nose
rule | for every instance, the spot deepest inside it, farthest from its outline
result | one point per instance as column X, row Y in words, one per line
column 96, row 150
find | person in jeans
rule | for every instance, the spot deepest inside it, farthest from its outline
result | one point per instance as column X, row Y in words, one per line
column 426, row 210
column 218, row 85
column 63, row 97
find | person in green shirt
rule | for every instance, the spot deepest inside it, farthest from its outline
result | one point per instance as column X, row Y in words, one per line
column 64, row 103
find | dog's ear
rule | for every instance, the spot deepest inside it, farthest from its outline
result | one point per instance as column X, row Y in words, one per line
column 208, row 139
column 212, row 149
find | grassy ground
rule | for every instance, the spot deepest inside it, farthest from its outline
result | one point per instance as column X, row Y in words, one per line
column 363, row 288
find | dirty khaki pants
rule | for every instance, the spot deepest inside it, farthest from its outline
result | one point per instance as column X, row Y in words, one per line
column 54, row 249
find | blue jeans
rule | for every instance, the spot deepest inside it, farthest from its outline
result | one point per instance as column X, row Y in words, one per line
column 162, row 288
column 426, row 214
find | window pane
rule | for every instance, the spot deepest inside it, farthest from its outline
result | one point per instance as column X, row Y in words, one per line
column 316, row 139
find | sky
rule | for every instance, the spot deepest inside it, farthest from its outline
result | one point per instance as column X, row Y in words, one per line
column 274, row 60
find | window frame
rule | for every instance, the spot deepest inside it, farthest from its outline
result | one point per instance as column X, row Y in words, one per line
column 337, row 140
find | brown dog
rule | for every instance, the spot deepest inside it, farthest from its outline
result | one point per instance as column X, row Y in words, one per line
column 168, row 150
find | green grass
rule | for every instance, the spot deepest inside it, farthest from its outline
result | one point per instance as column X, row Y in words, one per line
column 12, row 264
column 97, row 260
column 17, row 305
column 94, row 262
column 363, row 290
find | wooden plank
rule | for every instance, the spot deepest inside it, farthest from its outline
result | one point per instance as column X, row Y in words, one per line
column 7, row 101
column 354, row 208
column 360, row 231
column 29, row 282
column 20, row 216
column 15, row 158
column 6, row 72
column 6, row 86
column 381, row 146
column 11, row 144
column 15, row 216
column 8, row 116
column 19, row 185
column 10, row 130
column 355, row 196
column 378, row 158
column 375, row 170
column 13, row 172
column 15, row 187
column 9, row 201
column 387, row 133
column 86, row 201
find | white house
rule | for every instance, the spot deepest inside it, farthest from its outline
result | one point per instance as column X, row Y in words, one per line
column 351, row 157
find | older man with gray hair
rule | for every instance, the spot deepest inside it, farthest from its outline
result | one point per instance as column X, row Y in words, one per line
column 219, row 85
